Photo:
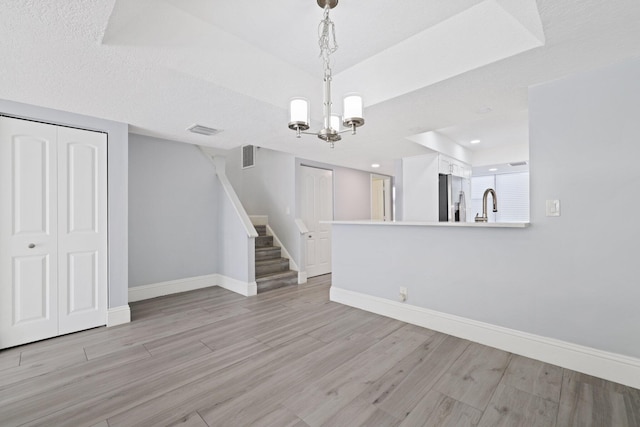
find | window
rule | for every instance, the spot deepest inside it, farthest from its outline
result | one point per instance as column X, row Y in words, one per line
column 512, row 190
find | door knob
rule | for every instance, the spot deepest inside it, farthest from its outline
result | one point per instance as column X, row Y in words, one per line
column 32, row 245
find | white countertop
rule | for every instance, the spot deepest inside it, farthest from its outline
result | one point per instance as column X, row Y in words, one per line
column 436, row 224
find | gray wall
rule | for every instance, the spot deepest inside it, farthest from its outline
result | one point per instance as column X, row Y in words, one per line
column 236, row 257
column 352, row 194
column 573, row 277
column 351, row 191
column 117, row 176
column 173, row 211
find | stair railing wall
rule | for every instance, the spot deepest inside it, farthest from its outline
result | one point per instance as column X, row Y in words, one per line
column 302, row 230
column 219, row 163
column 236, row 234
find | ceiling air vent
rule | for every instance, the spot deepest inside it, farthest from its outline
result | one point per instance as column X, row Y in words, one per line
column 518, row 164
column 202, row 130
column 248, row 156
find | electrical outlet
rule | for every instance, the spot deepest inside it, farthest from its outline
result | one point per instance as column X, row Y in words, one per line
column 403, row 293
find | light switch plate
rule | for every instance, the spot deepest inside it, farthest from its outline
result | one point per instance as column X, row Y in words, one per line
column 553, row 207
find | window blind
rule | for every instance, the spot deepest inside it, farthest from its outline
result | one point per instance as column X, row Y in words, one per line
column 512, row 190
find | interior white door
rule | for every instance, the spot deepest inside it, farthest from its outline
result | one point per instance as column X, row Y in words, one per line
column 28, row 232
column 377, row 199
column 380, row 198
column 317, row 206
column 53, row 230
column 82, row 229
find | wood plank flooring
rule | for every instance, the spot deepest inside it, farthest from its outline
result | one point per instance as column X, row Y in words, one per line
column 289, row 357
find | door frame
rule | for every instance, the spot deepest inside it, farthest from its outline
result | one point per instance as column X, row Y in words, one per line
column 387, row 196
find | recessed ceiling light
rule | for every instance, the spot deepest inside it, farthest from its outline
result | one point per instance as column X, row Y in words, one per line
column 475, row 141
column 375, row 165
column 493, row 169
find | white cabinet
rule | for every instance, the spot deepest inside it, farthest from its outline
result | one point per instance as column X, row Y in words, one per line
column 444, row 164
column 53, row 230
column 450, row 166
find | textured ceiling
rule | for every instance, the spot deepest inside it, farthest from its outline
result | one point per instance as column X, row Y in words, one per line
column 421, row 65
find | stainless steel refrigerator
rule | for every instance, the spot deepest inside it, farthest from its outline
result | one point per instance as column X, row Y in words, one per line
column 453, row 193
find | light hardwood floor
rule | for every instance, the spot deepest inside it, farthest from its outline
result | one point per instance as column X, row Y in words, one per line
column 290, row 357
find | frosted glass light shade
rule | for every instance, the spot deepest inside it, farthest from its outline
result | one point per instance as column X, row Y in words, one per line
column 299, row 113
column 335, row 122
column 353, row 110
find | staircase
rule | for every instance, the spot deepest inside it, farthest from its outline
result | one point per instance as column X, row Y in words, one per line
column 272, row 271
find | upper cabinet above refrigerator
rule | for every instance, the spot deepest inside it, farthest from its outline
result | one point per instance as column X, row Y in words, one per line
column 450, row 166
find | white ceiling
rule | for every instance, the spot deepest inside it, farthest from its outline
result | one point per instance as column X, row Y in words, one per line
column 421, row 65
column 492, row 130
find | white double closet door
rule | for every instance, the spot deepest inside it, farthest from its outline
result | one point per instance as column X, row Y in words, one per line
column 53, row 230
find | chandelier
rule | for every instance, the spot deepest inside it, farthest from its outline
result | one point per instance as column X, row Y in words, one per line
column 352, row 103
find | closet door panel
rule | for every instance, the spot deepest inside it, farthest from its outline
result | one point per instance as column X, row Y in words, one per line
column 83, row 281
column 31, row 184
column 82, row 229
column 31, row 289
column 28, row 231
column 82, row 179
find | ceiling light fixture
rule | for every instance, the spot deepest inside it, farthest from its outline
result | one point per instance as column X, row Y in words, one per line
column 352, row 104
column 475, row 141
column 375, row 165
column 493, row 169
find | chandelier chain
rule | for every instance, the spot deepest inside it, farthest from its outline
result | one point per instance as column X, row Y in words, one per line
column 327, row 41
column 352, row 111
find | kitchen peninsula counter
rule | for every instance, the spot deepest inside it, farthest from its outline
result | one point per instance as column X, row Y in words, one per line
column 436, row 224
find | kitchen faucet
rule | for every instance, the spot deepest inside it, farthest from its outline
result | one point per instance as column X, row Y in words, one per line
column 484, row 218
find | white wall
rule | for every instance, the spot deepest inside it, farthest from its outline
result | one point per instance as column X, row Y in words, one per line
column 574, row 277
column 516, row 152
column 270, row 188
column 117, row 177
column 173, row 211
column 420, row 188
column 398, row 186
column 443, row 144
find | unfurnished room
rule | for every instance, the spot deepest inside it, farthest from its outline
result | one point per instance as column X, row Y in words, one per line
column 319, row 213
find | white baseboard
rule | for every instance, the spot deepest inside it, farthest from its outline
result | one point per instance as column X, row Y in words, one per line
column 610, row 366
column 247, row 289
column 302, row 277
column 153, row 290
column 118, row 315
